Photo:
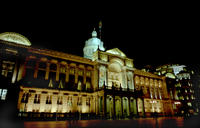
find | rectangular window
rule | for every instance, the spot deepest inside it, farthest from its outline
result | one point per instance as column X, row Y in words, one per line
column 69, row 101
column 3, row 93
column 42, row 65
column 62, row 69
column 31, row 64
column 53, row 67
column 7, row 68
column 25, row 98
column 41, row 75
column 88, row 73
column 48, row 100
column 59, row 101
column 80, row 72
column 79, row 101
column 72, row 71
column 88, row 101
column 37, row 99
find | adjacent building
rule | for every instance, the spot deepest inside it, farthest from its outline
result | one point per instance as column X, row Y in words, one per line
column 180, row 88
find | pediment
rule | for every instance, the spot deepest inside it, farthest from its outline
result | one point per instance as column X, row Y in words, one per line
column 116, row 51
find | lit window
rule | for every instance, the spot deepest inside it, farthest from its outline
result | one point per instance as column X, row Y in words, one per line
column 181, row 98
column 3, row 93
column 80, row 72
column 192, row 97
column 79, row 101
column 72, row 71
column 88, row 73
column 69, row 101
column 7, row 68
column 62, row 69
column 59, row 101
column 88, row 101
column 189, row 104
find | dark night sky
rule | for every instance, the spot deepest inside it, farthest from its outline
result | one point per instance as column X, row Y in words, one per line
column 148, row 34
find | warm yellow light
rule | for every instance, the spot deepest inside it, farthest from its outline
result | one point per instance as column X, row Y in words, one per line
column 177, row 102
column 84, row 109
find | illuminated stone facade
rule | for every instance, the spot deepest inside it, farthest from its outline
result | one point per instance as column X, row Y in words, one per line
column 155, row 96
column 104, row 85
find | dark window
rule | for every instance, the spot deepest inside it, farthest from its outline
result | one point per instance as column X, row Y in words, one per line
column 25, row 98
column 53, row 67
column 41, row 74
column 31, row 63
column 59, row 101
column 42, row 65
column 48, row 100
column 37, row 99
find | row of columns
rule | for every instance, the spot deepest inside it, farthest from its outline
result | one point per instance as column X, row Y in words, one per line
column 133, row 112
column 67, row 67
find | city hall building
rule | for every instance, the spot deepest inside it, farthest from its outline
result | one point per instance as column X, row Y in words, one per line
column 102, row 84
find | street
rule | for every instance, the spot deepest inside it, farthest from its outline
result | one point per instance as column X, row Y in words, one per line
column 161, row 122
column 135, row 123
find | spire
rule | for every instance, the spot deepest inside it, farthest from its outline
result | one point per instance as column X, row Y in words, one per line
column 94, row 33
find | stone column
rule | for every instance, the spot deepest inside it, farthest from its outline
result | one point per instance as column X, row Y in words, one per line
column 67, row 73
column 57, row 71
column 124, row 78
column 84, row 76
column 94, row 78
column 47, row 71
column 114, row 116
column 136, row 101
column 105, row 110
column 143, row 106
column 36, row 69
column 122, row 106
column 76, row 75
column 165, row 87
column 129, row 105
column 21, row 69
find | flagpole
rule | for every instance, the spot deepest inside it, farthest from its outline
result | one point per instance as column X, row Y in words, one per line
column 100, row 26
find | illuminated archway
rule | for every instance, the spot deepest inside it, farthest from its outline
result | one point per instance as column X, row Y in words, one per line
column 115, row 74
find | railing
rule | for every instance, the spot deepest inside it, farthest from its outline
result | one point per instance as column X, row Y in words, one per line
column 116, row 89
column 57, row 116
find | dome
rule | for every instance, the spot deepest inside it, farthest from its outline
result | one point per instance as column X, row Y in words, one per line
column 94, row 42
column 92, row 45
column 15, row 38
